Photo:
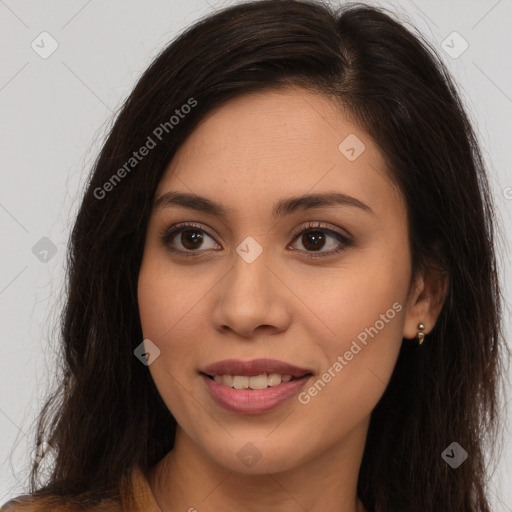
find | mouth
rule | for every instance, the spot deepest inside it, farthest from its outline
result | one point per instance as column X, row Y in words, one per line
column 253, row 374
column 253, row 387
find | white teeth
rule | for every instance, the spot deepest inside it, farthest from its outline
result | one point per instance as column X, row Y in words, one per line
column 228, row 380
column 254, row 382
column 258, row 382
column 240, row 382
column 274, row 379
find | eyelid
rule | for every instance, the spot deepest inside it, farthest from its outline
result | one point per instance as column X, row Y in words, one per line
column 325, row 226
column 168, row 231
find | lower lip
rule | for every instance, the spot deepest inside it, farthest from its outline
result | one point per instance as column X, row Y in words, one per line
column 256, row 401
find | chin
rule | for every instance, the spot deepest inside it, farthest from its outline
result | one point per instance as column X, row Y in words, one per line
column 256, row 457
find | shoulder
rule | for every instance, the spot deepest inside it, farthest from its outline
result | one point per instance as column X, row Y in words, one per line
column 25, row 503
column 135, row 494
column 29, row 503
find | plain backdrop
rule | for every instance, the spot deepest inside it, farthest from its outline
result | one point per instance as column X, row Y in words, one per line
column 55, row 110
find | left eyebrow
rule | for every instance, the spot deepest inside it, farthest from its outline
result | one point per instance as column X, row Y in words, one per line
column 281, row 208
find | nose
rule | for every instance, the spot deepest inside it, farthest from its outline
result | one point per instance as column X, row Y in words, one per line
column 251, row 299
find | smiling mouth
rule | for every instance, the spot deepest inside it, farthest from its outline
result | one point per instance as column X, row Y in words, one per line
column 254, row 382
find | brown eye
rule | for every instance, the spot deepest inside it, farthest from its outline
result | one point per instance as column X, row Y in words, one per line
column 316, row 237
column 313, row 240
column 191, row 239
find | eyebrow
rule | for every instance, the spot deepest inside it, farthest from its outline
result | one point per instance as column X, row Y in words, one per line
column 281, row 208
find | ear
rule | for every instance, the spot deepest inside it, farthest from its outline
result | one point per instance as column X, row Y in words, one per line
column 426, row 300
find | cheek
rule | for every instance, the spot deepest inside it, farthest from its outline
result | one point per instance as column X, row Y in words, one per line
column 365, row 313
column 365, row 300
column 168, row 318
column 160, row 310
column 150, row 293
column 358, row 365
column 161, row 306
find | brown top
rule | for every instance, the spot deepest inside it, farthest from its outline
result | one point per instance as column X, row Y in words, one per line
column 144, row 500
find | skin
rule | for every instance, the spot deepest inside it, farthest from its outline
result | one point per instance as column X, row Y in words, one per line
column 247, row 155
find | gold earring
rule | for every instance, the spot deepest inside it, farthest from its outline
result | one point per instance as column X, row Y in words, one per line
column 421, row 334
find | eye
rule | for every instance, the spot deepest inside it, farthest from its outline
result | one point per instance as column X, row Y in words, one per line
column 313, row 239
column 192, row 237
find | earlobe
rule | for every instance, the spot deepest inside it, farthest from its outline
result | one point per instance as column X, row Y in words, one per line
column 425, row 304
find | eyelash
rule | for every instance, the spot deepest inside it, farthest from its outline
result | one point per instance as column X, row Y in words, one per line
column 167, row 234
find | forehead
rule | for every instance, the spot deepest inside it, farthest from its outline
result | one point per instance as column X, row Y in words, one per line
column 264, row 145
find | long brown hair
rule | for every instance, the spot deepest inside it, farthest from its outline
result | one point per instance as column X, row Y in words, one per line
column 107, row 416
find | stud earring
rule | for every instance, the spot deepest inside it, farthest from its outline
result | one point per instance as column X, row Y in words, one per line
column 421, row 334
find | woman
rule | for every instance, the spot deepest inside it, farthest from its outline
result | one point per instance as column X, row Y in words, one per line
column 282, row 281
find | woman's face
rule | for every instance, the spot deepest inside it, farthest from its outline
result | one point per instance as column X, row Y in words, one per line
column 264, row 281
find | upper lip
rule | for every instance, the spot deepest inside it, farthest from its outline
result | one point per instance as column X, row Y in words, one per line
column 253, row 367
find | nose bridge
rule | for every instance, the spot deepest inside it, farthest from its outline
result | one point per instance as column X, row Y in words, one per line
column 249, row 296
column 251, row 266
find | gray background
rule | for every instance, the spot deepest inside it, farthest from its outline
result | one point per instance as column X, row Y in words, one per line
column 55, row 113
